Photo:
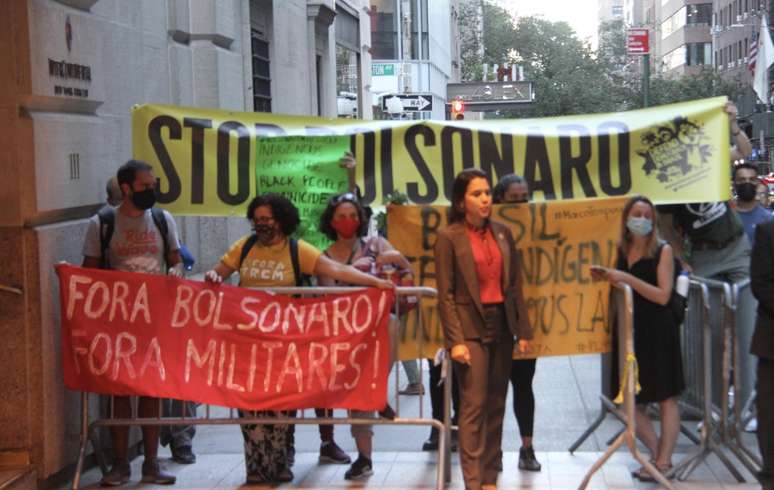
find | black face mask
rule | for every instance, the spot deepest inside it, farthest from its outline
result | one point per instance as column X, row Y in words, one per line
column 746, row 191
column 265, row 233
column 144, row 199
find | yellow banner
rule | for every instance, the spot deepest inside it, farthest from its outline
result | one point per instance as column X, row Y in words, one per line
column 205, row 159
column 557, row 243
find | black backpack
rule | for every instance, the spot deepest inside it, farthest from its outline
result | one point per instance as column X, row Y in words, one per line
column 107, row 225
column 301, row 279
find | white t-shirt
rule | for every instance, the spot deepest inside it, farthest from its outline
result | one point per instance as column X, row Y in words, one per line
column 136, row 244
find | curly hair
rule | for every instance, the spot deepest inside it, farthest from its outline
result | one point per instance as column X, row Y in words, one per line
column 330, row 210
column 284, row 211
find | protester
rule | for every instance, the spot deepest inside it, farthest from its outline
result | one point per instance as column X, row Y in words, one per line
column 434, row 371
column 513, row 188
column 270, row 258
column 647, row 265
column 762, row 271
column 748, row 208
column 481, row 305
column 719, row 248
column 344, row 221
column 134, row 237
column 179, row 438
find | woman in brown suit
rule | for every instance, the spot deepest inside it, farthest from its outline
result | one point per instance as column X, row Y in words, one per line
column 482, row 309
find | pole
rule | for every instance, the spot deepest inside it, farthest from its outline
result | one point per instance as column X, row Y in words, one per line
column 645, row 80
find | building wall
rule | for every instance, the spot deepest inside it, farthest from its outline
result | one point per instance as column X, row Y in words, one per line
column 60, row 148
column 434, row 71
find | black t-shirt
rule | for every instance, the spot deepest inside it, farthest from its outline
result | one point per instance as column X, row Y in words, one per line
column 705, row 222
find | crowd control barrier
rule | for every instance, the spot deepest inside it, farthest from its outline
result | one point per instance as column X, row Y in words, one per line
column 622, row 306
column 444, row 427
column 715, row 364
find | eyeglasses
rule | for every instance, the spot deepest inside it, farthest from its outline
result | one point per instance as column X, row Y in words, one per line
column 264, row 220
column 346, row 197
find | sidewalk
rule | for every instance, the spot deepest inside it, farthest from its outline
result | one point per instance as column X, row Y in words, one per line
column 566, row 390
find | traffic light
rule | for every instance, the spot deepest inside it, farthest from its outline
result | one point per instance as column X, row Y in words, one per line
column 457, row 109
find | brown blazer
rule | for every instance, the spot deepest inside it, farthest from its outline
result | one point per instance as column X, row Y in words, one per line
column 459, row 299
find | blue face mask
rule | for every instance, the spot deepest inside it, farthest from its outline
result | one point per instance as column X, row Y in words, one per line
column 639, row 226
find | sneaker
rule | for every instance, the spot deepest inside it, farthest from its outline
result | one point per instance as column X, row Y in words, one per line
column 118, row 474
column 387, row 412
column 361, row 468
column 152, row 473
column 330, row 452
column 413, row 389
column 183, row 455
column 284, row 475
column 527, row 460
column 431, row 444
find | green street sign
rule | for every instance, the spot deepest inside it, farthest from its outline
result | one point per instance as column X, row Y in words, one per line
column 382, row 69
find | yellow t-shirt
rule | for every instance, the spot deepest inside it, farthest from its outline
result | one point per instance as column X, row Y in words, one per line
column 270, row 266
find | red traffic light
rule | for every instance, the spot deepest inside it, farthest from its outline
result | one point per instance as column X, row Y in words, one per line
column 458, row 106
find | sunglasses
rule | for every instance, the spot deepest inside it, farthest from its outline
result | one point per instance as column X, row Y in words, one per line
column 346, row 197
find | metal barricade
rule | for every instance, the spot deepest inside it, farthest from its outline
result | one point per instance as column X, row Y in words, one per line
column 443, row 474
column 719, row 339
column 623, row 299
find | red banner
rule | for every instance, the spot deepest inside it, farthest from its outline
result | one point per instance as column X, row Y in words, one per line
column 127, row 333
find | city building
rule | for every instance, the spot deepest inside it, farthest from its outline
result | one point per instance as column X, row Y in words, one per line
column 633, row 12
column 610, row 10
column 682, row 39
column 413, row 53
column 71, row 72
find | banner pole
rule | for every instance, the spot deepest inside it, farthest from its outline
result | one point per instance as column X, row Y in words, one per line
column 645, row 80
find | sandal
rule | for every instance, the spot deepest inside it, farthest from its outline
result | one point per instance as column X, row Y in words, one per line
column 643, row 475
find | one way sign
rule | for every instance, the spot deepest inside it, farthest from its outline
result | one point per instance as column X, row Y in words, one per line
column 409, row 102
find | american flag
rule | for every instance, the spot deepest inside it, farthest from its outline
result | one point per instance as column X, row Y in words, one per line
column 752, row 53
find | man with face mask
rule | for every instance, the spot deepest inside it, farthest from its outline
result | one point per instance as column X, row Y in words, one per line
column 129, row 238
column 748, row 207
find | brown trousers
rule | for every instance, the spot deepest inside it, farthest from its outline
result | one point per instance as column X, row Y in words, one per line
column 483, row 389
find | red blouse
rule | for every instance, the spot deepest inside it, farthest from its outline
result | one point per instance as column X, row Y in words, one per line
column 489, row 264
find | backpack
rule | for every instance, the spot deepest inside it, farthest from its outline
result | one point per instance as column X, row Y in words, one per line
column 301, row 279
column 107, row 225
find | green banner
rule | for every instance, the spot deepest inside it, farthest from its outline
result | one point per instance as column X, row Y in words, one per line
column 306, row 170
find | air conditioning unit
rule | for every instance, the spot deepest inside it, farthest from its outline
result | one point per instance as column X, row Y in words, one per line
column 738, row 19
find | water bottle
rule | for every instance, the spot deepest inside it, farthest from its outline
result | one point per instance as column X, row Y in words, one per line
column 683, row 282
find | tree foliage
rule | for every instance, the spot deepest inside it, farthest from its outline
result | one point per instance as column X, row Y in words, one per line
column 568, row 76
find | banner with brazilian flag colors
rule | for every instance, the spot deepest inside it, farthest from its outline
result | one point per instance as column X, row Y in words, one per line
column 206, row 159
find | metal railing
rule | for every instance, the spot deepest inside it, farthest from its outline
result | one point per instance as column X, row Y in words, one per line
column 719, row 429
column 444, row 427
column 623, row 300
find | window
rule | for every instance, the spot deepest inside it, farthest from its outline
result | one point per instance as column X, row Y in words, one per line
column 699, row 14
column 384, row 30
column 419, row 11
column 698, row 54
column 617, row 10
column 675, row 58
column 261, row 78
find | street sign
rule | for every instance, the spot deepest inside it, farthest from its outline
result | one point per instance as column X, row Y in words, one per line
column 637, row 41
column 382, row 69
column 410, row 102
column 490, row 95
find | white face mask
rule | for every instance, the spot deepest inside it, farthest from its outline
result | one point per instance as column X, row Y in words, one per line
column 639, row 226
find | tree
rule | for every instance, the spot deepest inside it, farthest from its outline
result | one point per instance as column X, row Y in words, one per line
column 567, row 75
